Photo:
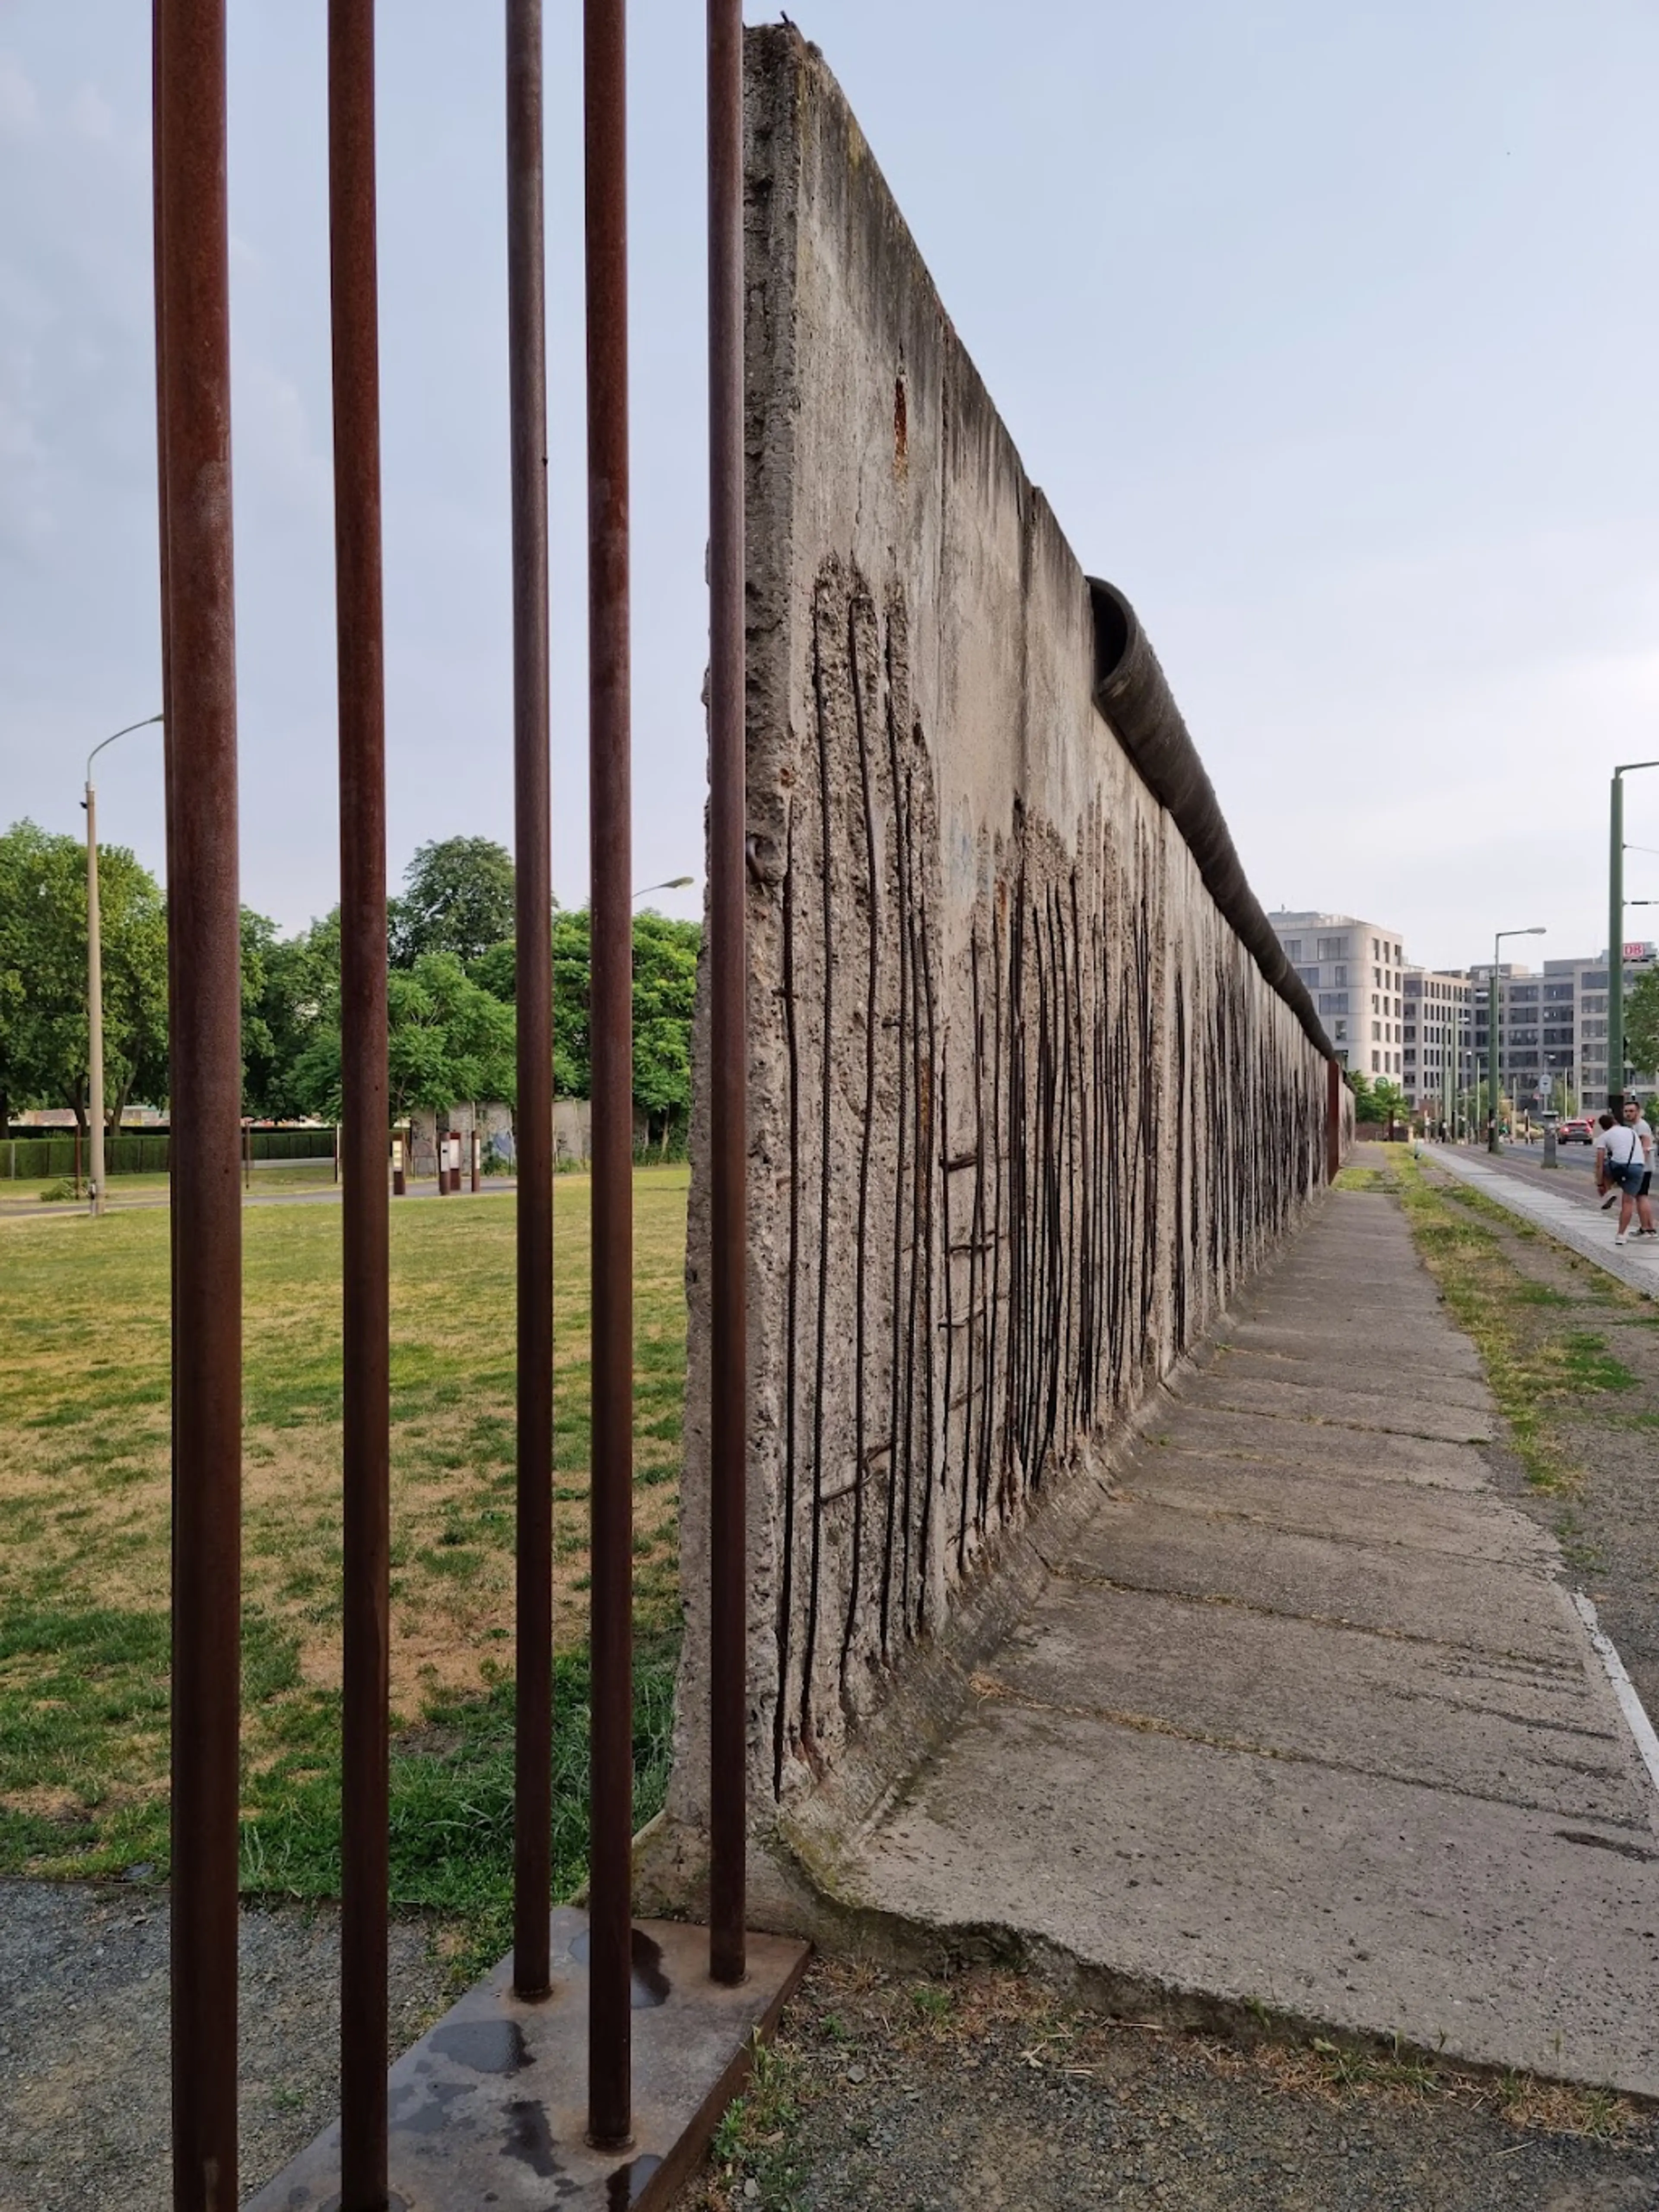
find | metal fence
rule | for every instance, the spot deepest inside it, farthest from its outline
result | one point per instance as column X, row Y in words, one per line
column 28, row 1159
column 193, row 410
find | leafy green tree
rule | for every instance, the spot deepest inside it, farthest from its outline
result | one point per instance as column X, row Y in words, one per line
column 665, row 992
column 290, row 997
column 43, row 974
column 449, row 1039
column 1642, row 1023
column 457, row 898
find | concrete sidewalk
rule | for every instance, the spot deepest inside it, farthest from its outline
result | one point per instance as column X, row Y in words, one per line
column 1572, row 1214
column 1306, row 1719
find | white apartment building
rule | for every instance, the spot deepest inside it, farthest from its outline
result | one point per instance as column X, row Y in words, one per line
column 1354, row 971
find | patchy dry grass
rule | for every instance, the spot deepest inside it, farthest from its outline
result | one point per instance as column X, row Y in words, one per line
column 84, row 1486
column 1536, row 1368
column 856, row 2033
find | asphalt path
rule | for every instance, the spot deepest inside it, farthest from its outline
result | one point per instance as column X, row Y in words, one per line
column 327, row 1195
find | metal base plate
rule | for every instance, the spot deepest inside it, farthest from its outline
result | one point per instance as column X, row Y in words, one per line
column 489, row 2107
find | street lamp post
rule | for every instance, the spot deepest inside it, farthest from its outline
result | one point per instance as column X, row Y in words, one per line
column 96, row 978
column 1492, row 1145
column 1616, row 933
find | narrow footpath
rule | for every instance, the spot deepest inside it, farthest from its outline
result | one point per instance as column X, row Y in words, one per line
column 1563, row 1200
column 1306, row 1724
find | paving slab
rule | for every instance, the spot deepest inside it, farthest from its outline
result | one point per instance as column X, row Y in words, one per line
column 1231, row 1435
column 1434, row 1594
column 1308, row 1341
column 1498, row 1935
column 1405, row 1414
column 1253, row 1363
column 1348, row 1510
column 1305, row 1718
column 1521, row 1733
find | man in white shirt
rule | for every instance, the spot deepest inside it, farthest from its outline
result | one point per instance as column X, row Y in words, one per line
column 1635, row 1118
column 1619, row 1167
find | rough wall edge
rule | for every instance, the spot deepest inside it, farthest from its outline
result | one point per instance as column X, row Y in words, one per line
column 1132, row 693
column 803, row 1860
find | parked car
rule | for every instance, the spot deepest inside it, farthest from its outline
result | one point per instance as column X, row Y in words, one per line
column 1576, row 1132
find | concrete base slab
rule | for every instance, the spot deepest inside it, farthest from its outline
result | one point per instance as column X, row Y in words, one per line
column 1225, row 1435
column 1482, row 1726
column 1305, row 1723
column 1345, row 1509
column 1306, row 1342
column 489, row 2107
column 1427, row 1594
column 1179, row 1869
column 1252, row 1363
column 1404, row 1413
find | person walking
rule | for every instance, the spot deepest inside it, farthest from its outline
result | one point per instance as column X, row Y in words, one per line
column 1635, row 1118
column 1618, row 1167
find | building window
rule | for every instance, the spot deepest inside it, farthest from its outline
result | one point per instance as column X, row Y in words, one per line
column 1376, row 1063
column 1333, row 948
column 1292, row 948
column 1333, row 1002
column 1376, row 1029
column 1340, row 1033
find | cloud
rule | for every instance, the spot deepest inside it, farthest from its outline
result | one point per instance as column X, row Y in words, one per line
column 91, row 115
column 19, row 104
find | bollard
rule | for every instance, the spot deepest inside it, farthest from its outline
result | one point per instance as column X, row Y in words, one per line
column 399, row 1180
column 440, row 1145
column 1550, row 1160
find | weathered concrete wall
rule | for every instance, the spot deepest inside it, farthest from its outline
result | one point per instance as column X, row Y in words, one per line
column 1023, row 1108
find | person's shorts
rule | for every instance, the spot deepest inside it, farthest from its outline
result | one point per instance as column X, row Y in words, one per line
column 1629, row 1180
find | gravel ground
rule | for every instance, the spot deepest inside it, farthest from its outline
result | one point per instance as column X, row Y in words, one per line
column 83, row 2039
column 907, row 2096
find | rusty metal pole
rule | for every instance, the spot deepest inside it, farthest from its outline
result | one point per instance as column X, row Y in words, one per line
column 204, row 1024
column 364, row 1214
column 728, row 978
column 533, row 894
column 610, row 1029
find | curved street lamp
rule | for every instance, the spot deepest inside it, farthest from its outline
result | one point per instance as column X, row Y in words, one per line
column 95, row 979
column 674, row 884
column 1492, row 1145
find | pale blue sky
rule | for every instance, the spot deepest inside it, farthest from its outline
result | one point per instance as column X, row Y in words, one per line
column 1331, row 331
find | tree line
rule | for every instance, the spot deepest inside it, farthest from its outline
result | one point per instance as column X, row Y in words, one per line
column 451, row 990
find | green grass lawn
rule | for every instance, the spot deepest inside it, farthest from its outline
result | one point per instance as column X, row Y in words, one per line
column 84, row 1575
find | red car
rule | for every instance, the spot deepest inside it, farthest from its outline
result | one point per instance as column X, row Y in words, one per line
column 1576, row 1132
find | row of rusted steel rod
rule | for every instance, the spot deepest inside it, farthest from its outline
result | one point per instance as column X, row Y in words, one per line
column 193, row 436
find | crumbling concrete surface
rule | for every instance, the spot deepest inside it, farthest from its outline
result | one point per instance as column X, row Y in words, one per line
column 1026, row 1106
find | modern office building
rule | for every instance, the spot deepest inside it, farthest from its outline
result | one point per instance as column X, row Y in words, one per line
column 1353, row 970
column 1553, row 1030
column 1437, row 1049
column 1425, row 1029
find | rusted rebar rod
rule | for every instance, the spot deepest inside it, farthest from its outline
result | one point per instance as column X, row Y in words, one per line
column 204, row 1041
column 610, row 1030
column 364, row 1088
column 728, row 973
column 533, row 891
